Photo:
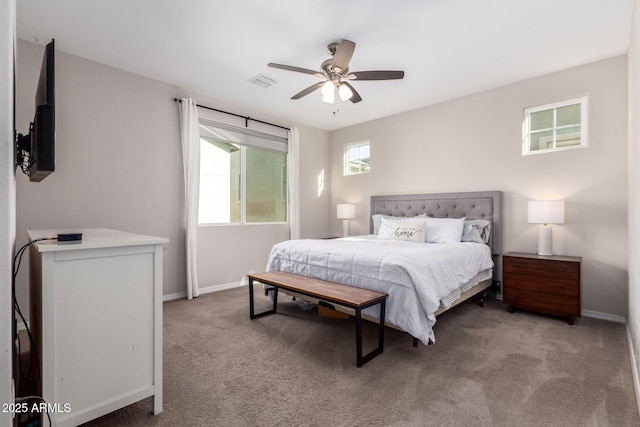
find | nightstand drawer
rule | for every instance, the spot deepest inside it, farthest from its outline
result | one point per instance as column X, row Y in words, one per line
column 552, row 285
column 542, row 268
column 538, row 301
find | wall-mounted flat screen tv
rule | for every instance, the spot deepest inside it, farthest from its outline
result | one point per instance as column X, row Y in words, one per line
column 35, row 152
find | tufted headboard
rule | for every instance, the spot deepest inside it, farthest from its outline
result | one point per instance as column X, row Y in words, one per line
column 471, row 205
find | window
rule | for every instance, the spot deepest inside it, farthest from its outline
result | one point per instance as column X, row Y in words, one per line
column 357, row 158
column 243, row 176
column 553, row 127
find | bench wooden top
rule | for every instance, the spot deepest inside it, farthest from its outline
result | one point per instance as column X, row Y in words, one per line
column 321, row 289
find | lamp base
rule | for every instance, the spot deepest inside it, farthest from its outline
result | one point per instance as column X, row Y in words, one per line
column 544, row 240
column 345, row 228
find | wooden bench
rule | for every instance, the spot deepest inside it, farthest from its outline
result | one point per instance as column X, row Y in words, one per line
column 334, row 293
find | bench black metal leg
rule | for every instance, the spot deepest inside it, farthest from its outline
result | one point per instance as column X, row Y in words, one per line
column 252, row 314
column 383, row 310
column 360, row 360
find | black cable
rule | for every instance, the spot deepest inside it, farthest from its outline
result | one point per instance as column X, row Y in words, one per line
column 27, row 398
column 27, row 378
column 25, row 162
column 17, row 260
column 21, row 252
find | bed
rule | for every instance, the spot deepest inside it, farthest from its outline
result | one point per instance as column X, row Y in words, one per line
column 423, row 279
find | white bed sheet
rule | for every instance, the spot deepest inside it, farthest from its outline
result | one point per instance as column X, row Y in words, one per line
column 419, row 277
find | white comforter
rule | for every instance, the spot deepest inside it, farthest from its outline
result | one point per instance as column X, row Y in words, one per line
column 417, row 276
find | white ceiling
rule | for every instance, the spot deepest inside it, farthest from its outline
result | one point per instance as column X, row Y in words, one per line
column 447, row 48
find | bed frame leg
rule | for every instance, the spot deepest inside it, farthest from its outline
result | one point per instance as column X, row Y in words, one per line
column 415, row 342
column 483, row 295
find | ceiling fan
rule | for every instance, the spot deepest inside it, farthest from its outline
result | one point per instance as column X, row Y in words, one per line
column 335, row 71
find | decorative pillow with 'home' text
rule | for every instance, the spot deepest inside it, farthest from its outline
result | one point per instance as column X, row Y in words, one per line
column 410, row 231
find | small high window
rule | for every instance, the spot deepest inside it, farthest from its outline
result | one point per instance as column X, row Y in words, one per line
column 357, row 158
column 552, row 127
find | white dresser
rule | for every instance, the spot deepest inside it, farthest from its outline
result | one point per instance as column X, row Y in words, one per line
column 96, row 316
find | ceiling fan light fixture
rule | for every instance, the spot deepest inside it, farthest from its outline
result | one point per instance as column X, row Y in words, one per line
column 329, row 98
column 344, row 92
column 336, row 72
column 328, row 92
column 327, row 87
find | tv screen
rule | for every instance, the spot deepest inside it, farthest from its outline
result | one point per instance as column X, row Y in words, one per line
column 35, row 153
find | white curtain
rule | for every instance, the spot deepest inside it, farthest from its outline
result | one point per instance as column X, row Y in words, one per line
column 293, row 178
column 190, row 136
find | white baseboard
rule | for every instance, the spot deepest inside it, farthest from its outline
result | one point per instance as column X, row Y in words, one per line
column 603, row 316
column 634, row 365
column 207, row 290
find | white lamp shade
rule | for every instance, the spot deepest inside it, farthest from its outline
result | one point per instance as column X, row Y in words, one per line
column 327, row 87
column 346, row 211
column 328, row 92
column 546, row 212
column 344, row 92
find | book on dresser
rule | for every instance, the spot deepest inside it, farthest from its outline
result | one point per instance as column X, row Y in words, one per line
column 543, row 284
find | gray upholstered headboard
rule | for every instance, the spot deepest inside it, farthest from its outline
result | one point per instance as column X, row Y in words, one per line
column 472, row 205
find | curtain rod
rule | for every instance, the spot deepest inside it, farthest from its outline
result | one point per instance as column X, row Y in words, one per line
column 246, row 118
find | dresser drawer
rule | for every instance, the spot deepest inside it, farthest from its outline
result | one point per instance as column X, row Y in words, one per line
column 538, row 301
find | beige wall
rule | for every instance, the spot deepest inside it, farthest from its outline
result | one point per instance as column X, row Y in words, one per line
column 315, row 184
column 474, row 144
column 633, row 322
column 119, row 165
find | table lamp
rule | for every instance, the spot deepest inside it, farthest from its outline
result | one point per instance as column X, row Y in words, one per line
column 346, row 211
column 545, row 212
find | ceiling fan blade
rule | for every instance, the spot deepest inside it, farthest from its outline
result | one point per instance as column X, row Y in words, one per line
column 292, row 68
column 377, row 75
column 356, row 96
column 308, row 90
column 343, row 55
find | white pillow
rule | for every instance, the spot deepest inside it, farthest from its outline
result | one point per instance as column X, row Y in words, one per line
column 377, row 218
column 387, row 225
column 444, row 230
column 409, row 231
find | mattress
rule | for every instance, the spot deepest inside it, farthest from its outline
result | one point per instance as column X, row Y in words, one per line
column 420, row 278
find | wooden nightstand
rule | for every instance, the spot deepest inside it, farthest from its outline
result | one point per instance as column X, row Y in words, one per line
column 545, row 284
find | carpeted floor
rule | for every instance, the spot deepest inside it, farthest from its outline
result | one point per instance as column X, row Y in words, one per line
column 487, row 368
